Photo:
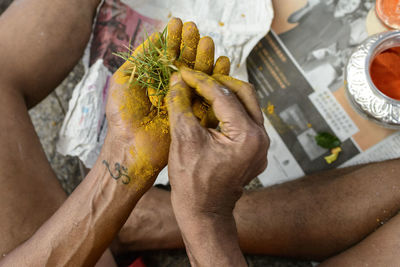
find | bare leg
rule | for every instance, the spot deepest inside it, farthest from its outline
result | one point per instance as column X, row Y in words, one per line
column 314, row 217
column 41, row 41
column 319, row 216
column 151, row 225
column 379, row 249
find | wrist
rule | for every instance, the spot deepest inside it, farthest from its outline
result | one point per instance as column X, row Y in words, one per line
column 201, row 219
column 125, row 164
column 189, row 218
column 204, row 205
column 210, row 239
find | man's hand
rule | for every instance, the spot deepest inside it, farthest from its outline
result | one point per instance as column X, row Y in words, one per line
column 208, row 168
column 133, row 127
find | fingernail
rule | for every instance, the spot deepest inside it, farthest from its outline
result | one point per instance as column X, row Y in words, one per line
column 226, row 91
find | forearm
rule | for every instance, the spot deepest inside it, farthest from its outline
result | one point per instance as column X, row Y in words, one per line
column 41, row 41
column 79, row 232
column 210, row 240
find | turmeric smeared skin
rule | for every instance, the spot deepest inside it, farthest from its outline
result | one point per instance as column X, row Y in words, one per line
column 222, row 66
column 205, row 55
column 174, row 38
column 183, row 42
column 198, row 107
column 153, row 129
column 154, row 99
column 200, row 110
column 134, row 102
column 154, row 39
column 204, row 113
column 179, row 99
column 142, row 169
column 190, row 39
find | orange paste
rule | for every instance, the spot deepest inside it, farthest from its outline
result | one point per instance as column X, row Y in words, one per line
column 385, row 72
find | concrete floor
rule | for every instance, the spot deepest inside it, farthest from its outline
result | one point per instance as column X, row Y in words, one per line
column 47, row 118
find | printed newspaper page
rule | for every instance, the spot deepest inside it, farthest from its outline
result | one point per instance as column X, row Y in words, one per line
column 297, row 70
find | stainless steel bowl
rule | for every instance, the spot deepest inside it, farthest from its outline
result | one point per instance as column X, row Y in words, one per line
column 365, row 98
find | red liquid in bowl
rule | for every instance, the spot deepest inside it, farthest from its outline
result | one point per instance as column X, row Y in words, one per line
column 385, row 72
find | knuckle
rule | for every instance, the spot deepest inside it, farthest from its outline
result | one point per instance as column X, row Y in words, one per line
column 172, row 94
column 223, row 90
column 217, row 76
column 205, row 80
column 256, row 137
column 264, row 142
column 209, row 84
column 186, row 129
column 264, row 165
column 246, row 87
column 251, row 87
column 180, row 135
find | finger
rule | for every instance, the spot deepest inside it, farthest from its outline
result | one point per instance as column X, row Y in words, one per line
column 199, row 110
column 153, row 40
column 190, row 40
column 156, row 99
column 227, row 108
column 205, row 55
column 204, row 113
column 245, row 93
column 135, row 97
column 222, row 66
column 210, row 120
column 179, row 105
column 174, row 38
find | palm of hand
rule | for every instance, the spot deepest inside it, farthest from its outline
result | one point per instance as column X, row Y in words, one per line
column 132, row 119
